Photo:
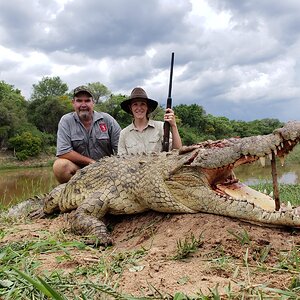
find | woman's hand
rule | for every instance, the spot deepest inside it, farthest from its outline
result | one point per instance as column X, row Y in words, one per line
column 170, row 117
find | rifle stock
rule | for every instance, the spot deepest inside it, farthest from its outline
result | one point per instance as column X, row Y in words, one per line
column 166, row 138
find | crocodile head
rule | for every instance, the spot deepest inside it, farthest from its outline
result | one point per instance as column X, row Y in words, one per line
column 217, row 160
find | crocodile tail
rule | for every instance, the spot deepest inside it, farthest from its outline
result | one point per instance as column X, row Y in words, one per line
column 23, row 209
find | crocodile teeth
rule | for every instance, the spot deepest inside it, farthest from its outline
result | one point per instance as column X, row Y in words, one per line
column 263, row 161
column 289, row 206
column 290, row 143
column 270, row 156
column 275, row 152
column 282, row 160
column 297, row 211
column 279, row 148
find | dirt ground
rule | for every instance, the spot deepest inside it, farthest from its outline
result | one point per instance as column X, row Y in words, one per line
column 221, row 258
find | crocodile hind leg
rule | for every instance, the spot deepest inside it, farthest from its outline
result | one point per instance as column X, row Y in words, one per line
column 86, row 220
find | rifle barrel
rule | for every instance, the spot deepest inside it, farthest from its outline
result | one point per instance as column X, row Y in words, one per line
column 169, row 105
column 171, row 76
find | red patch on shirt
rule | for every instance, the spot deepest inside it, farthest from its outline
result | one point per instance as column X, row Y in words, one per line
column 103, row 127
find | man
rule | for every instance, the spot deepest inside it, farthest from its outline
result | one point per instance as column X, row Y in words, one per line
column 83, row 136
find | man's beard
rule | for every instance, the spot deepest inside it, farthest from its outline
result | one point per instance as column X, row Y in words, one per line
column 84, row 115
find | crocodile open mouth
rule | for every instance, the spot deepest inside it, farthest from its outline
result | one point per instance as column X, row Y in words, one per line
column 225, row 155
column 232, row 187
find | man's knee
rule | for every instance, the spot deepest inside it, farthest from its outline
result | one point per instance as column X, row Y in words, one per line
column 64, row 169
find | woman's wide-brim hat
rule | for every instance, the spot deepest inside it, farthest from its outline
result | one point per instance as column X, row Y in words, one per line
column 138, row 94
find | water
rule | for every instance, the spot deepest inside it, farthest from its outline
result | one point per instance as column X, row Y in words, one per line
column 20, row 184
column 254, row 174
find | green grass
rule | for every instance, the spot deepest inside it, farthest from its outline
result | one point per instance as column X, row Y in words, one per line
column 98, row 276
column 243, row 237
column 294, row 156
column 20, row 277
column 188, row 246
column 287, row 192
column 18, row 165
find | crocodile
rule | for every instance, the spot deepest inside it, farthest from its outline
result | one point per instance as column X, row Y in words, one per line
column 196, row 178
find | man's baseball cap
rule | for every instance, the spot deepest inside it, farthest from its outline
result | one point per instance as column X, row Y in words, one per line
column 83, row 88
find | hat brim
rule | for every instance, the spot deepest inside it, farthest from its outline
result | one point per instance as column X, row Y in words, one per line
column 82, row 89
column 125, row 105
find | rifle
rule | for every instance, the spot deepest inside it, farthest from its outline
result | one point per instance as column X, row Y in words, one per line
column 166, row 137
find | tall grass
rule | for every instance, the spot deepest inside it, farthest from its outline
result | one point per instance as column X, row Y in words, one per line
column 294, row 156
column 26, row 188
column 287, row 192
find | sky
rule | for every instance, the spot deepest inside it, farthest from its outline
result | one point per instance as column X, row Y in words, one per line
column 238, row 59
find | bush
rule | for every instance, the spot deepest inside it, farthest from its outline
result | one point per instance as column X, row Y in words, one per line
column 25, row 145
column 22, row 155
column 189, row 135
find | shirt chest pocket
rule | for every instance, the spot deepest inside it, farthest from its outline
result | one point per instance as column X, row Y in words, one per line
column 154, row 144
column 131, row 144
column 154, row 140
column 78, row 142
column 102, row 143
column 102, row 136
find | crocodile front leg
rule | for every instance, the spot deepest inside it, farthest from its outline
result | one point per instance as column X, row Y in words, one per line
column 86, row 220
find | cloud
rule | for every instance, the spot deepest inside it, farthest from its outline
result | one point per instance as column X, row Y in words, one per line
column 237, row 59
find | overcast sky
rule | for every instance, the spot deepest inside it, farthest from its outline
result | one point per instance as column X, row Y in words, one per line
column 238, row 59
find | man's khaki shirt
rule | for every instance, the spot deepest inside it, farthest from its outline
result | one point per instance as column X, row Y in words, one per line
column 147, row 141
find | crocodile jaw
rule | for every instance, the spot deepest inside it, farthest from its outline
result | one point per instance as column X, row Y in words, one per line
column 241, row 191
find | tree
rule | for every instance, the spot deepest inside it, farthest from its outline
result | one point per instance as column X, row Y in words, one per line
column 189, row 135
column 49, row 102
column 219, row 127
column 49, row 87
column 12, row 113
column 113, row 107
column 99, row 91
column 264, row 126
column 241, row 128
column 192, row 115
column 45, row 113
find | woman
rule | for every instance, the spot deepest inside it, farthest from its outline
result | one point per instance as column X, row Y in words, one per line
column 144, row 135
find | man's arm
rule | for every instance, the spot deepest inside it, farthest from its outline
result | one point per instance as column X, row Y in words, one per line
column 77, row 158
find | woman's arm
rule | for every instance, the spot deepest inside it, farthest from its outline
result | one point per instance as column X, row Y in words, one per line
column 176, row 139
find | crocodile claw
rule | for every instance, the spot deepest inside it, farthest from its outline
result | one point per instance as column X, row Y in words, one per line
column 37, row 214
column 104, row 241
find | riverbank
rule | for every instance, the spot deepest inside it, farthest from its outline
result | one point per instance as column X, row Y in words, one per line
column 154, row 256
column 9, row 161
